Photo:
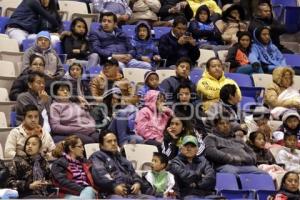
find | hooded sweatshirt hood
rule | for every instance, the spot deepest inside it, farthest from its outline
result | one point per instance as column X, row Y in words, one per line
column 151, row 99
column 257, row 37
column 230, row 7
column 278, row 73
column 145, row 24
column 43, row 34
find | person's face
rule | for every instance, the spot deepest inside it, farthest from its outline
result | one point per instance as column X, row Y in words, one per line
column 203, row 16
column 37, row 65
column 176, row 126
column 32, row 147
column 223, row 126
column 156, row 165
column 45, row 3
column 265, row 36
column 78, row 149
column 292, row 122
column 234, row 100
column 115, row 100
column 110, row 71
column 215, row 69
column 63, row 93
column 110, row 143
column 291, row 142
column 179, row 30
column 265, row 12
column 286, row 80
column 160, row 100
column 80, row 28
column 235, row 14
column 31, row 119
column 143, row 33
column 75, row 72
column 183, row 70
column 189, row 150
column 43, row 43
column 184, row 95
column 260, row 141
column 37, row 85
column 245, row 41
column 108, row 23
column 291, row 182
column 153, row 81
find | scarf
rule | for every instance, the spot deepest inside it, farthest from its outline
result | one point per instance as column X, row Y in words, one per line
column 38, row 173
column 76, row 168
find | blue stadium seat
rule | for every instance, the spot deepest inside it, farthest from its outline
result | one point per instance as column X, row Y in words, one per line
column 292, row 19
column 292, row 59
column 196, row 75
column 94, row 71
column 241, row 79
column 159, row 31
column 27, row 43
column 251, row 96
column 284, row 2
column 94, row 26
column 58, row 48
column 3, row 22
column 129, row 30
column 67, row 25
column 13, row 119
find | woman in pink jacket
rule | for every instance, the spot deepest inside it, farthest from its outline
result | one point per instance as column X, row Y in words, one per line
column 152, row 119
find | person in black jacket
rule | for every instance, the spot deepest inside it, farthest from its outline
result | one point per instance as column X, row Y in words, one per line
column 27, row 19
column 194, row 175
column 4, row 174
column 170, row 9
column 178, row 43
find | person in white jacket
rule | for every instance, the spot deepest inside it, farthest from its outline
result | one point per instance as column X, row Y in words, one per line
column 30, row 126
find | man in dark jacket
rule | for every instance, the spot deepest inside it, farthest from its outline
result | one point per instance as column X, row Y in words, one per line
column 112, row 173
column 171, row 9
column 264, row 17
column 178, row 43
column 194, row 175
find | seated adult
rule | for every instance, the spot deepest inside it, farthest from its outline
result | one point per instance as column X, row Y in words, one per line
column 170, row 9
column 36, row 95
column 170, row 85
column 66, row 169
column 177, row 43
column 30, row 174
column 280, row 95
column 113, row 174
column 264, row 52
column 29, row 17
column 70, row 117
column 289, row 188
column 53, row 66
column 30, row 126
column 229, row 155
column 213, row 79
column 194, row 175
column 145, row 10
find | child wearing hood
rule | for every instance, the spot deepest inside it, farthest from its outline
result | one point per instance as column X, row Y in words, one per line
column 264, row 52
column 144, row 47
column 53, row 66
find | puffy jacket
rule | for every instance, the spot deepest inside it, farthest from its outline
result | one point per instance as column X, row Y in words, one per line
column 148, row 122
column 263, row 156
column 232, row 57
column 209, row 88
column 211, row 4
column 63, row 177
column 70, row 43
column 145, row 10
column 28, row 16
column 199, row 173
column 105, row 44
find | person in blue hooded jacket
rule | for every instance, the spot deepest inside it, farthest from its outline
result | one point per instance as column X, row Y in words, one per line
column 264, row 52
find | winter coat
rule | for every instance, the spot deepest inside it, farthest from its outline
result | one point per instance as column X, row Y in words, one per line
column 149, row 123
column 170, row 49
column 275, row 89
column 28, row 15
column 205, row 32
column 167, row 4
column 266, row 55
column 119, row 7
column 209, row 88
column 110, row 170
column 145, row 10
column 196, row 178
column 222, row 150
column 284, row 194
column 143, row 47
column 263, row 156
column 68, row 118
column 211, row 4
column 53, row 65
column 16, row 140
column 69, row 43
column 63, row 177
column 21, row 174
column 143, row 91
column 234, row 54
column 291, row 159
column 105, row 44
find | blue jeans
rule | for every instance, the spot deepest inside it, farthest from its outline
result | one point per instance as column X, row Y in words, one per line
column 240, row 169
column 133, row 63
column 86, row 193
column 248, row 69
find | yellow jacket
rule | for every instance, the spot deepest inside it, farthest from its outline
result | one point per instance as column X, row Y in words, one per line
column 209, row 88
column 211, row 4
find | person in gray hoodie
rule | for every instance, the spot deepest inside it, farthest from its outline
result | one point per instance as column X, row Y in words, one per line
column 53, row 68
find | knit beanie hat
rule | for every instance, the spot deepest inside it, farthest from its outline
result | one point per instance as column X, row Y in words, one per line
column 148, row 73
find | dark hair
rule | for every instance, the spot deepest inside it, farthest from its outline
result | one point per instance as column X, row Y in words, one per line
column 32, row 136
column 199, row 10
column 182, row 86
column 285, row 177
column 162, row 158
column 254, row 134
column 227, row 91
column 103, row 134
column 34, row 56
column 76, row 64
column 186, row 124
column 33, row 75
column 64, row 146
column 180, row 20
column 29, row 108
column 73, row 24
column 182, row 60
column 221, row 116
column 144, row 26
column 286, row 136
column 209, row 61
column 109, row 14
column 53, row 6
column 59, row 84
